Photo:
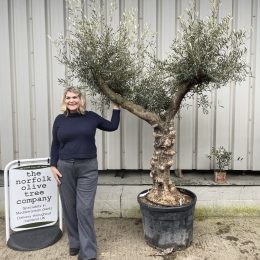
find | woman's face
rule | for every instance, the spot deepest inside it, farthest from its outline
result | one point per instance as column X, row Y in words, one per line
column 72, row 102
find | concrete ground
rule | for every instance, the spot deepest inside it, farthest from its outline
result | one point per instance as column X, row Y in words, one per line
column 236, row 238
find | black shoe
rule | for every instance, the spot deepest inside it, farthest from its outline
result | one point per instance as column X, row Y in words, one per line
column 89, row 259
column 74, row 251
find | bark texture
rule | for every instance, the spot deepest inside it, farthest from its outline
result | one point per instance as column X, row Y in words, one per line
column 164, row 191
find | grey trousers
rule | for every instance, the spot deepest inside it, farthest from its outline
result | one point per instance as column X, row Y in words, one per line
column 77, row 190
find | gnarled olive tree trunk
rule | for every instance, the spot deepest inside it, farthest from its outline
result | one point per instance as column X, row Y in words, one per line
column 164, row 191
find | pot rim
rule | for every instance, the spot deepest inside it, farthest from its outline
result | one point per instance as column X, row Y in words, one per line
column 158, row 207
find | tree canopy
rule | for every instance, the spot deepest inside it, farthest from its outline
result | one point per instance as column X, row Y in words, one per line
column 120, row 64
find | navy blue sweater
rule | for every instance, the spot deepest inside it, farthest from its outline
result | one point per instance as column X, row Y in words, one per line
column 74, row 135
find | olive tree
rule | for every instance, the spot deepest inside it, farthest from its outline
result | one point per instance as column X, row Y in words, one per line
column 119, row 65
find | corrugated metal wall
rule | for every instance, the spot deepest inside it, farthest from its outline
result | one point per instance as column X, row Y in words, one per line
column 30, row 94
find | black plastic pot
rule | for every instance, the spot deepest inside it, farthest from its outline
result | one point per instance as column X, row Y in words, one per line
column 168, row 227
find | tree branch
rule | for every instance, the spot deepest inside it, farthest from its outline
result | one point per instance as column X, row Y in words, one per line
column 178, row 97
column 151, row 118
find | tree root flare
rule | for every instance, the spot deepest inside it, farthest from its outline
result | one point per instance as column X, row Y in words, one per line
column 170, row 198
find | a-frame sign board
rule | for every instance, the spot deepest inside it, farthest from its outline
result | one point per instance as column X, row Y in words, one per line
column 33, row 214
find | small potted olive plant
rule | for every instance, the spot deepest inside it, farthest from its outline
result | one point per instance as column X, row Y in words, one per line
column 222, row 159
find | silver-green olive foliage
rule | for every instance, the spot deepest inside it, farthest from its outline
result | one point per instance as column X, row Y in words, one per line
column 119, row 63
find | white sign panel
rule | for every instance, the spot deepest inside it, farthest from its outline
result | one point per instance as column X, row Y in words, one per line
column 33, row 197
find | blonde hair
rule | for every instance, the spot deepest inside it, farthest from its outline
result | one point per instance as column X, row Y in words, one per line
column 82, row 103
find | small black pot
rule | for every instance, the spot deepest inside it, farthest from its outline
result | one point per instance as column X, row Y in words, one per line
column 168, row 227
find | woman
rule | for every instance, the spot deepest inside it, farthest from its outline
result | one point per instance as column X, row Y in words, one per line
column 75, row 168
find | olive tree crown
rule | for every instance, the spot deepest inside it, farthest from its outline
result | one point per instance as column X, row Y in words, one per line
column 119, row 63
